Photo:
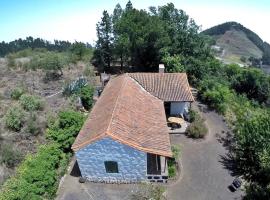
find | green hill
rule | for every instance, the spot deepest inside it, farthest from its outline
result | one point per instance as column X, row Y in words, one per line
column 236, row 43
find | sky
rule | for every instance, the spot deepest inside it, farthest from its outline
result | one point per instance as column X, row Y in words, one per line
column 76, row 19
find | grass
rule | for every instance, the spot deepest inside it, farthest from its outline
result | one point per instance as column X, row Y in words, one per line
column 172, row 169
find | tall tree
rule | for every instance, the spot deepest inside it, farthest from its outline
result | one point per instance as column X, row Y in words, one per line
column 129, row 6
column 103, row 53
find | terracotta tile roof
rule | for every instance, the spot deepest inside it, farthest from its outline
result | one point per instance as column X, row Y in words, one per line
column 165, row 86
column 128, row 114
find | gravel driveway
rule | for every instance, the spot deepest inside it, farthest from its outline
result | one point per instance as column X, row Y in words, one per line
column 203, row 175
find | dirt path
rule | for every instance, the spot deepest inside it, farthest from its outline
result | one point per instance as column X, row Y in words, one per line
column 204, row 176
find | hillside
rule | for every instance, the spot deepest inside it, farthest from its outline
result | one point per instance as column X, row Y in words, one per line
column 236, row 43
column 31, row 97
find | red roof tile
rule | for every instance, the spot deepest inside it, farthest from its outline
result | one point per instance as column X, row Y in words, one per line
column 165, row 86
column 128, row 114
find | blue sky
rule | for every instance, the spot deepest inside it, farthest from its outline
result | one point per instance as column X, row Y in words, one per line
column 76, row 19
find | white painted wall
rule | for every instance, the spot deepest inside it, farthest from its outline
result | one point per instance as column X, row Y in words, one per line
column 179, row 108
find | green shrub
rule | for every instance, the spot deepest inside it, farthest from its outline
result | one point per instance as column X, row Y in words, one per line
column 175, row 151
column 173, row 63
column 16, row 93
column 36, row 177
column 9, row 156
column 31, row 102
column 65, row 128
column 217, row 97
column 171, row 169
column 14, row 118
column 197, row 129
column 193, row 115
column 32, row 125
column 86, row 95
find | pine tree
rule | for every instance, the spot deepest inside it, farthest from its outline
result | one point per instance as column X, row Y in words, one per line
column 104, row 43
column 129, row 6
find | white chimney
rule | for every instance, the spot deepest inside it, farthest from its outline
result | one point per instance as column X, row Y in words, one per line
column 161, row 68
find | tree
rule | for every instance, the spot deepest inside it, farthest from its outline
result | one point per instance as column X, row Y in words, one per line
column 78, row 50
column 53, row 62
column 129, row 6
column 252, row 146
column 103, row 53
column 173, row 63
column 117, row 13
column 183, row 33
column 121, row 48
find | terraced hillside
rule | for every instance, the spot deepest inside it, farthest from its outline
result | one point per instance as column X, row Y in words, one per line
column 234, row 43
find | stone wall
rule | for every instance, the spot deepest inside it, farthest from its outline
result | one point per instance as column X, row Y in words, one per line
column 132, row 164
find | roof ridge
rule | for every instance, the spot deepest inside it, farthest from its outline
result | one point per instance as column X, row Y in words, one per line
column 108, row 132
column 144, row 89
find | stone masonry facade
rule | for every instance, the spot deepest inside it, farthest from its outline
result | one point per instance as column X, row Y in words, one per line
column 132, row 163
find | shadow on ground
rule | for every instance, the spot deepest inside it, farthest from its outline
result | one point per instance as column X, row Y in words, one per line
column 75, row 172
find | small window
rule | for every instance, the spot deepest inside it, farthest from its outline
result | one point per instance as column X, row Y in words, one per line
column 111, row 166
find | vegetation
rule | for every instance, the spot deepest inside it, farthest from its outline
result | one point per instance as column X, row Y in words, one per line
column 74, row 87
column 64, row 130
column 140, row 38
column 30, row 43
column 14, row 118
column 37, row 176
column 193, row 115
column 172, row 168
column 16, row 93
column 32, row 124
column 31, row 102
column 149, row 191
column 86, row 95
column 197, row 128
column 79, row 51
column 9, row 156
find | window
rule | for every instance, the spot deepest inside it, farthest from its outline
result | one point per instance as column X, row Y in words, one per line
column 111, row 166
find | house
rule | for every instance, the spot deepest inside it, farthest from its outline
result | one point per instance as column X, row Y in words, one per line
column 125, row 138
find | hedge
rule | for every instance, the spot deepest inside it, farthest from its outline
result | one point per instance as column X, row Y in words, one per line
column 37, row 176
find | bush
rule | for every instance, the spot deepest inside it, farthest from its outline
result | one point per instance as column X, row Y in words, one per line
column 173, row 63
column 9, row 156
column 217, row 97
column 31, row 102
column 36, row 176
column 65, row 128
column 86, row 95
column 175, row 151
column 172, row 161
column 32, row 125
column 197, row 129
column 171, row 169
column 193, row 115
column 16, row 93
column 14, row 118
